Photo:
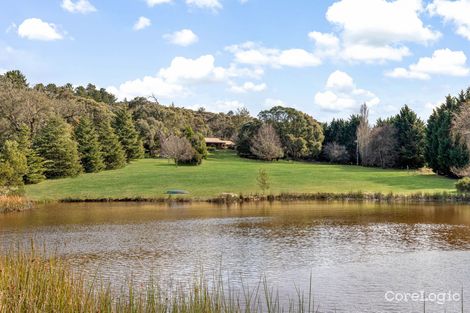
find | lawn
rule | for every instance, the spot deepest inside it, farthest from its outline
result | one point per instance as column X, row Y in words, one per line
column 225, row 172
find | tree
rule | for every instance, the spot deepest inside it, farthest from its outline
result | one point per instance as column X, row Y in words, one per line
column 363, row 133
column 411, row 133
column 198, row 143
column 128, row 136
column 301, row 135
column 263, row 180
column 13, row 166
column 344, row 133
column 35, row 163
column 243, row 140
column 113, row 154
column 444, row 152
column 266, row 144
column 382, row 147
column 89, row 147
column 178, row 149
column 17, row 79
column 336, row 153
column 55, row 144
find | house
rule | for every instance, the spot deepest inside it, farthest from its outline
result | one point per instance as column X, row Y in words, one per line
column 219, row 143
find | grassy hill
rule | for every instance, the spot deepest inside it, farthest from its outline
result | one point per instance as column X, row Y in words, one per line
column 225, row 172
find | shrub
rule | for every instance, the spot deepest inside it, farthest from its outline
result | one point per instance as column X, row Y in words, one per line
column 463, row 185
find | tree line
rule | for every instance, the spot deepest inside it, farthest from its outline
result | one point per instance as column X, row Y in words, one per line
column 50, row 131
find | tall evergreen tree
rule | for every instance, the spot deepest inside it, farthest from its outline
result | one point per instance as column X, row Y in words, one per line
column 410, row 138
column 89, row 147
column 55, row 144
column 13, row 166
column 128, row 135
column 36, row 164
column 111, row 149
column 443, row 152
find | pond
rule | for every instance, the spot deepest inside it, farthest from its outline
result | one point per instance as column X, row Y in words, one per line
column 361, row 257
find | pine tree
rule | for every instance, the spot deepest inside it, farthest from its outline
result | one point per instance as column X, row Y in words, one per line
column 410, row 138
column 111, row 149
column 13, row 166
column 36, row 164
column 443, row 152
column 128, row 135
column 55, row 144
column 89, row 147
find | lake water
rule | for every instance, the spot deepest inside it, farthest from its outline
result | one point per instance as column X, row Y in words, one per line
column 361, row 257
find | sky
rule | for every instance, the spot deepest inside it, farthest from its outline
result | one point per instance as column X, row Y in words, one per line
column 325, row 58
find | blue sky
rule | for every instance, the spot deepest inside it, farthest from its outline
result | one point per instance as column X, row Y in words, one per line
column 323, row 57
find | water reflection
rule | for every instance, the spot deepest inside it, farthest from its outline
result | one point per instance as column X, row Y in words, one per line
column 355, row 252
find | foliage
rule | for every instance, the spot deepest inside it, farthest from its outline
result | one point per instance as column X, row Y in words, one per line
column 55, row 144
column 263, row 180
column 336, row 153
column 410, row 131
column 128, row 135
column 244, row 137
column 266, row 144
column 445, row 152
column 198, row 143
column 111, row 148
column 13, row 166
column 382, row 147
column 178, row 149
column 301, row 135
column 343, row 132
column 89, row 147
column 36, row 164
column 17, row 79
column 463, row 185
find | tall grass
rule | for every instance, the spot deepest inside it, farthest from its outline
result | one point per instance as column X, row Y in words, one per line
column 31, row 282
column 14, row 204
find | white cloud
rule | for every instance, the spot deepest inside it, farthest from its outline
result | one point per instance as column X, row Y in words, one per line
column 152, row 3
column 142, row 23
column 442, row 62
column 254, row 54
column 36, row 29
column 177, row 79
column 326, row 44
column 184, row 37
column 456, row 12
column 205, row 4
column 298, row 58
column 248, row 87
column 270, row 102
column 341, row 94
column 375, row 34
column 80, row 6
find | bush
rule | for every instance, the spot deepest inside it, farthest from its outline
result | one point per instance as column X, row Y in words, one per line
column 463, row 185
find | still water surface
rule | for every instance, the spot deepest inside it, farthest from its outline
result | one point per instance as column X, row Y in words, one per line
column 355, row 252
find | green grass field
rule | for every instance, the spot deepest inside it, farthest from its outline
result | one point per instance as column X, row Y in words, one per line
column 225, row 172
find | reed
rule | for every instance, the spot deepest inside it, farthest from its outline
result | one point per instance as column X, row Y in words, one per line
column 14, row 204
column 32, row 282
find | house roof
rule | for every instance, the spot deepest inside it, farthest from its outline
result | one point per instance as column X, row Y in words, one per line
column 212, row 140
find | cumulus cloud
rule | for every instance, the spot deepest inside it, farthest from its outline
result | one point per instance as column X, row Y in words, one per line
column 455, row 11
column 80, row 6
column 177, row 79
column 142, row 23
column 184, row 37
column 248, row 87
column 205, row 4
column 442, row 62
column 341, row 94
column 270, row 102
column 152, row 3
column 257, row 55
column 373, row 35
column 36, row 29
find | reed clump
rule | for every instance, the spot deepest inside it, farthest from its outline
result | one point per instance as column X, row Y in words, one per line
column 14, row 204
column 31, row 282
